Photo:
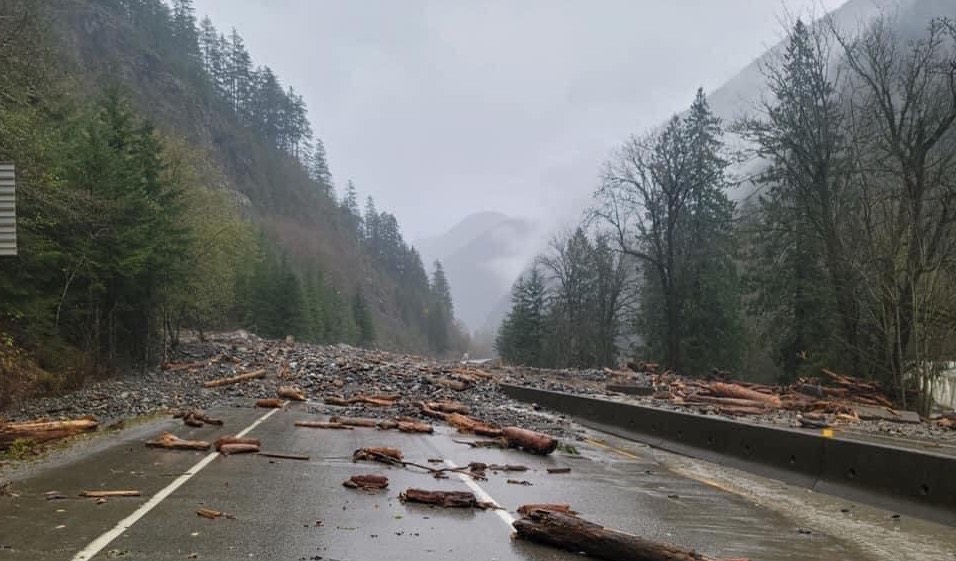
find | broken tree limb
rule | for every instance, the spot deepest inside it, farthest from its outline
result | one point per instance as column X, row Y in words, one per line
column 737, row 391
column 529, row 440
column 378, row 401
column 223, row 440
column 569, row 532
column 525, row 509
column 109, row 494
column 377, row 454
column 235, row 379
column 238, row 448
column 173, row 442
column 465, row 423
column 366, row 482
column 291, row 393
column 198, row 419
column 213, row 514
column 271, row 403
column 414, row 426
column 43, row 430
column 355, row 421
column 444, row 499
column 447, row 407
column 322, row 425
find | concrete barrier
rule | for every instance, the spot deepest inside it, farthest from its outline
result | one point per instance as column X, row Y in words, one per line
column 905, row 480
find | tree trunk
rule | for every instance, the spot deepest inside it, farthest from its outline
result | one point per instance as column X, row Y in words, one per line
column 569, row 532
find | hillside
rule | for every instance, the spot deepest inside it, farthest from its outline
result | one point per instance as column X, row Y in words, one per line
column 133, row 119
column 481, row 255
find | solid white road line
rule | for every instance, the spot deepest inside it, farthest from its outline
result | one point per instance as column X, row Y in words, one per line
column 99, row 543
column 482, row 495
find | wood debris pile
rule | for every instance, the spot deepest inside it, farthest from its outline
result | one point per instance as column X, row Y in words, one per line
column 831, row 399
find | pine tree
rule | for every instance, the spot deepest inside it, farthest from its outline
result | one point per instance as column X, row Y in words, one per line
column 521, row 335
column 239, row 74
column 319, row 170
column 184, row 30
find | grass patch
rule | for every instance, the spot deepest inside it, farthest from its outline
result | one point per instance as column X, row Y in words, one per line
column 569, row 449
column 21, row 449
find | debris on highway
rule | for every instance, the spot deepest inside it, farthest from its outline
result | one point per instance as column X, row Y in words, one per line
column 197, row 418
column 230, row 440
column 291, row 393
column 415, row 426
column 529, row 440
column 272, row 403
column 366, row 482
column 229, row 449
column 44, row 430
column 172, row 442
column 377, row 454
column 566, row 509
column 559, row 470
column 363, row 422
column 109, row 494
column 235, row 379
column 566, row 531
column 213, row 514
column 444, row 499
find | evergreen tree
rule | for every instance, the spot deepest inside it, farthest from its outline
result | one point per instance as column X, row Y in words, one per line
column 184, row 30
column 238, row 74
column 363, row 319
column 521, row 335
column 319, row 170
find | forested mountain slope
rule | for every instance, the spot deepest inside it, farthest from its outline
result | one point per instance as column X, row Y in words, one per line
column 165, row 182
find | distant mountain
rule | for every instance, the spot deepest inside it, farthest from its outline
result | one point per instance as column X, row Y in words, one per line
column 482, row 255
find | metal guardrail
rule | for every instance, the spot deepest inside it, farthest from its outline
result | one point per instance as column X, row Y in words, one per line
column 905, row 480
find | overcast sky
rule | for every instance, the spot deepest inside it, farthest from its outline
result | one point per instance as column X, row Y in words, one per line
column 441, row 108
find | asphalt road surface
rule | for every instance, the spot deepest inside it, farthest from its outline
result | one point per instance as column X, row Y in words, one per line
column 298, row 510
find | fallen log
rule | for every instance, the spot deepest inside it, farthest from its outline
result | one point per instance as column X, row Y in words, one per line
column 444, row 499
column 571, row 533
column 228, row 449
column 566, row 509
column 44, row 430
column 366, row 482
column 172, row 442
column 369, row 400
column 223, row 440
column 447, row 407
column 740, row 392
column 322, row 425
column 499, row 443
column 416, row 427
column 433, row 413
column 213, row 514
column 291, row 393
column 559, row 470
column 198, row 419
column 377, row 454
column 235, row 379
column 355, row 421
column 465, row 423
column 382, row 396
column 529, row 440
column 271, row 403
column 109, row 494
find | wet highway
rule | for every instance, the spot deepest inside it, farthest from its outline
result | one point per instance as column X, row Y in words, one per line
column 298, row 510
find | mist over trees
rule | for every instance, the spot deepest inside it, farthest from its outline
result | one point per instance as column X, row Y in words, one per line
column 130, row 233
column 843, row 257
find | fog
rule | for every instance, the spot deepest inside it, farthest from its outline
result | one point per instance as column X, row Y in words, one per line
column 441, row 108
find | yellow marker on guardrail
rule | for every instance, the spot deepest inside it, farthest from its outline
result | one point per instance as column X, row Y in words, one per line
column 826, row 433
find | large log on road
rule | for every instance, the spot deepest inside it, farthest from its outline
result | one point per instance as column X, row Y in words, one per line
column 569, row 532
column 444, row 499
column 529, row 440
column 173, row 442
column 43, row 430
